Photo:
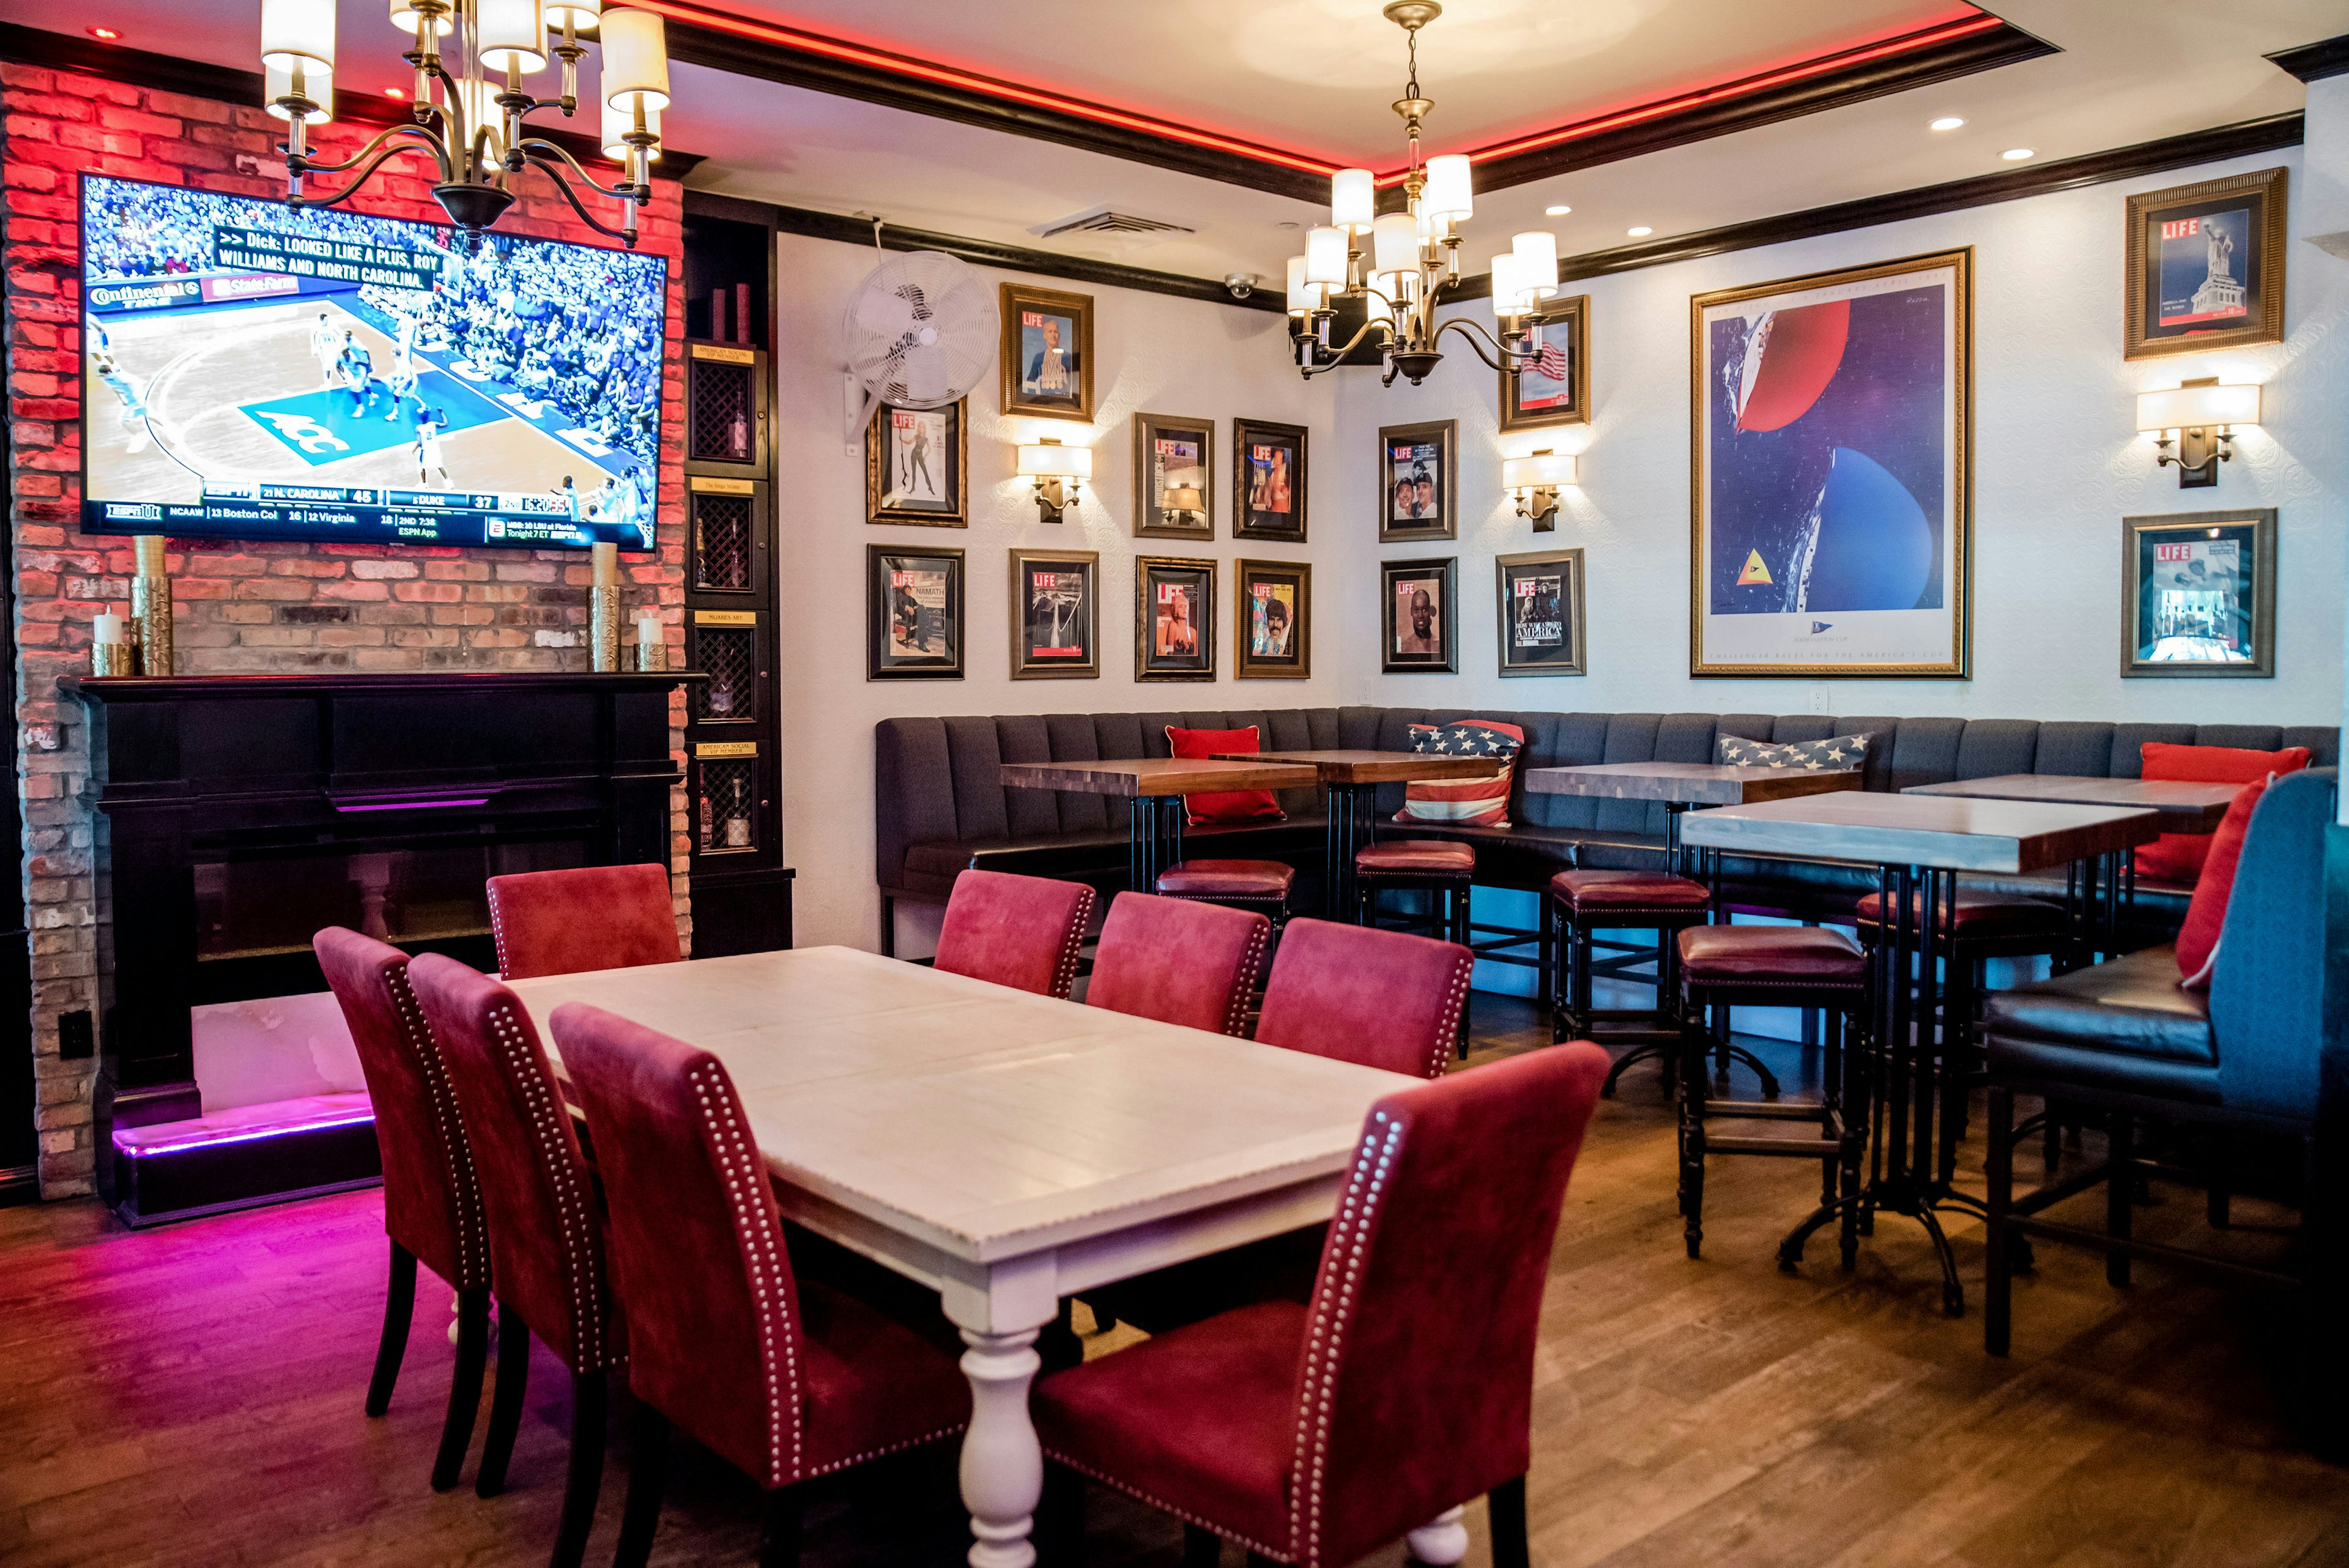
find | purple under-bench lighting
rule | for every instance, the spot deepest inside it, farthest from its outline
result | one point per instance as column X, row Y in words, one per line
column 216, row 1137
column 413, row 805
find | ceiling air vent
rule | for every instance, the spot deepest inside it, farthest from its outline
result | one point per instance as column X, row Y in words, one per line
column 1132, row 230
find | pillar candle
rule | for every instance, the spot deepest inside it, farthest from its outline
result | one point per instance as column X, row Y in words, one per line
column 648, row 626
column 107, row 626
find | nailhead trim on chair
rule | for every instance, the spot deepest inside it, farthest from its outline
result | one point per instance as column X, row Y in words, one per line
column 1243, row 983
column 464, row 1188
column 1064, row 979
column 527, row 1072
column 1325, row 1342
column 1446, row 1031
column 760, row 1237
column 498, row 930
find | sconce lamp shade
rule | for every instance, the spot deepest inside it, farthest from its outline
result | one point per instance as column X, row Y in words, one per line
column 1394, row 242
column 1052, row 460
column 403, row 16
column 512, row 34
column 580, row 14
column 299, row 31
column 317, row 86
column 2198, row 405
column 636, row 58
column 1537, row 254
column 618, row 122
column 1325, row 257
column 1183, row 498
column 1508, row 285
column 1542, row 470
column 1447, row 194
column 1354, row 202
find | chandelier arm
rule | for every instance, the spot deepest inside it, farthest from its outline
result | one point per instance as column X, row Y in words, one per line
column 351, row 189
column 1509, row 361
column 546, row 154
column 554, row 175
column 1338, row 356
column 370, row 156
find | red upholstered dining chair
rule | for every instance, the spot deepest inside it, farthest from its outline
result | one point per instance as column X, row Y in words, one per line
column 592, row 917
column 1384, row 999
column 1315, row 1434
column 431, row 1204
column 546, row 1226
column 1020, row 932
column 782, row 1377
column 1178, row 961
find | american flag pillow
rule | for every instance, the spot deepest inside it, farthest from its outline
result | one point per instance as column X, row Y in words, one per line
column 1480, row 802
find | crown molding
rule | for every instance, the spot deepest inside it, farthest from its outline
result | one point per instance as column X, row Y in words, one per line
column 2314, row 62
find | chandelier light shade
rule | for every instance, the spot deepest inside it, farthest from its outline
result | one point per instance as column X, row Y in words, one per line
column 1537, row 254
column 635, row 59
column 1508, row 285
column 405, row 16
column 317, row 86
column 511, row 36
column 1394, row 242
column 1303, row 297
column 577, row 14
column 297, row 34
column 1447, row 195
column 1354, row 200
column 1325, row 257
column 618, row 123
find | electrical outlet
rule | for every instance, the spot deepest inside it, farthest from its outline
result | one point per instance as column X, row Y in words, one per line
column 77, row 1042
column 1818, row 696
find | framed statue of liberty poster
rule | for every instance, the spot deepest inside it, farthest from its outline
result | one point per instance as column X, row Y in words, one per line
column 1830, row 473
column 2205, row 266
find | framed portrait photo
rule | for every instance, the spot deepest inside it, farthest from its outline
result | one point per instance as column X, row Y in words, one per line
column 1416, row 495
column 1556, row 388
column 1267, row 480
column 1055, row 614
column 913, row 617
column 2205, row 266
column 1540, row 613
column 2198, row 594
column 1174, row 477
column 1830, row 504
column 1421, row 617
column 1048, row 353
column 1174, row 619
column 916, row 466
column 1272, row 632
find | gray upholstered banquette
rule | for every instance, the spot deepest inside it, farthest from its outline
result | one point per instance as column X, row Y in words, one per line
column 939, row 806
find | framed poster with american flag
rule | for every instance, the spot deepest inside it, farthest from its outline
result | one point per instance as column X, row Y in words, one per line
column 1556, row 388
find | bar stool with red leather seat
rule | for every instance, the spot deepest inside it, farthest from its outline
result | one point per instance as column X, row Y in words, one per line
column 1025, row 932
column 431, row 1202
column 1443, row 870
column 1262, row 887
column 1315, row 1434
column 1809, row 967
column 782, row 1377
column 1583, row 903
column 546, row 1226
column 587, row 918
column 1180, row 962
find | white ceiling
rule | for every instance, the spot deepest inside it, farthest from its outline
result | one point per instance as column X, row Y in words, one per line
column 2131, row 70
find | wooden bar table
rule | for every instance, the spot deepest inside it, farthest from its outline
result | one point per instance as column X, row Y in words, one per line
column 2184, row 806
column 1156, row 786
column 1005, row 1149
column 1349, row 781
column 1918, row 843
column 1684, row 785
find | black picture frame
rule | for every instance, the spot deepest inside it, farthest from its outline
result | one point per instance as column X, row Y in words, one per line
column 1150, row 520
column 1566, row 323
column 1538, row 613
column 1261, row 650
column 1055, row 615
column 1181, row 591
column 901, row 620
column 1269, row 466
column 1419, row 460
column 2183, row 616
column 2239, row 297
column 947, row 472
column 1404, row 649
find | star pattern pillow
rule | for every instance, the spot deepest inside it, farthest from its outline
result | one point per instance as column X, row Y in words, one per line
column 1464, row 803
column 1811, row 756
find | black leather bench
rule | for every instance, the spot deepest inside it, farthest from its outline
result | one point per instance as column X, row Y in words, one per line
column 939, row 805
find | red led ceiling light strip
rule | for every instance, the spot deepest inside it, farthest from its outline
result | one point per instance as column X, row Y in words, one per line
column 900, row 65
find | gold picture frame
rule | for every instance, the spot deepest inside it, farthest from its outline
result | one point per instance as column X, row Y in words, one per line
column 1037, row 589
column 1282, row 647
column 1029, row 369
column 954, row 512
column 2165, row 230
column 1573, row 315
column 1150, row 518
column 1196, row 580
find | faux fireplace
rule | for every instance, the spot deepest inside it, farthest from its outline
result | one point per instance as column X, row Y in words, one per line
column 237, row 815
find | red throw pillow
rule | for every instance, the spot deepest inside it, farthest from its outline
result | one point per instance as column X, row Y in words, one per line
column 2198, row 939
column 2177, row 856
column 1222, row 805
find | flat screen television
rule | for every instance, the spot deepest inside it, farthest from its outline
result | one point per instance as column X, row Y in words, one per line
column 253, row 370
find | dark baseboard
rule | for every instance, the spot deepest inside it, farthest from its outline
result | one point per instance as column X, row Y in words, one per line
column 20, row 1185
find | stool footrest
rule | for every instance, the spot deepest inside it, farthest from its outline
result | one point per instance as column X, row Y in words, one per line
column 1790, row 1147
column 1768, row 1111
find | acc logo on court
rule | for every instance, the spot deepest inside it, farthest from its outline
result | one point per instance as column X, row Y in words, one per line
column 302, row 431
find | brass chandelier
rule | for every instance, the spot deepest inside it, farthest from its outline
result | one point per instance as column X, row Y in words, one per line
column 1412, row 254
column 469, row 120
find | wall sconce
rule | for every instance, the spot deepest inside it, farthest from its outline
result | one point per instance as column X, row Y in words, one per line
column 1056, row 470
column 2199, row 416
column 1536, row 479
column 1184, row 506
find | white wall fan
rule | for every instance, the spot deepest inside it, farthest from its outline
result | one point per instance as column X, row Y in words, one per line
column 919, row 333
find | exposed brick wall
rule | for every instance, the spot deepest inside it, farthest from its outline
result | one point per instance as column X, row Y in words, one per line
column 241, row 607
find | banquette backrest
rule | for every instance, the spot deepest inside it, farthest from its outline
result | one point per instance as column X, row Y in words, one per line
column 2267, row 990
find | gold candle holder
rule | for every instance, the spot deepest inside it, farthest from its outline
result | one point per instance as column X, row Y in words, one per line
column 111, row 658
column 652, row 652
column 150, row 607
column 603, row 607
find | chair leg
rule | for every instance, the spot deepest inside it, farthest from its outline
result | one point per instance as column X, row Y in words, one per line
column 647, row 1477
column 888, row 926
column 464, row 1386
column 505, row 1405
column 584, row 1478
column 1060, row 1517
column 1547, row 982
column 1201, row 1548
column 1506, row 1512
column 1695, row 1082
column 1558, row 964
column 1829, row 1029
column 782, row 1545
column 399, row 1307
column 1460, row 933
column 2120, row 1186
column 1997, row 1285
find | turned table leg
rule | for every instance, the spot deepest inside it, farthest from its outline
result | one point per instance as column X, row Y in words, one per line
column 1002, row 1463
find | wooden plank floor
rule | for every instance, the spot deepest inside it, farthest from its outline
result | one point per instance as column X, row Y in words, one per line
column 189, row 1395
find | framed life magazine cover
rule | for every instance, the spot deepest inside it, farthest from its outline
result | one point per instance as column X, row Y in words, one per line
column 1421, row 617
column 1174, row 477
column 1415, row 483
column 1055, row 614
column 1048, row 353
column 1556, row 388
column 1272, row 630
column 916, row 466
column 1267, row 480
column 1174, row 619
column 912, row 619
column 1540, row 613
column 2198, row 594
column 2205, row 266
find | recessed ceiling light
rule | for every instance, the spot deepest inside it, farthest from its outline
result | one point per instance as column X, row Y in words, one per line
column 1556, row 212
column 108, row 33
column 1947, row 122
column 2017, row 154
column 1639, row 230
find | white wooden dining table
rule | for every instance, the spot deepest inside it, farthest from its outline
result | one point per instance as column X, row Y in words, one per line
column 1005, row 1149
